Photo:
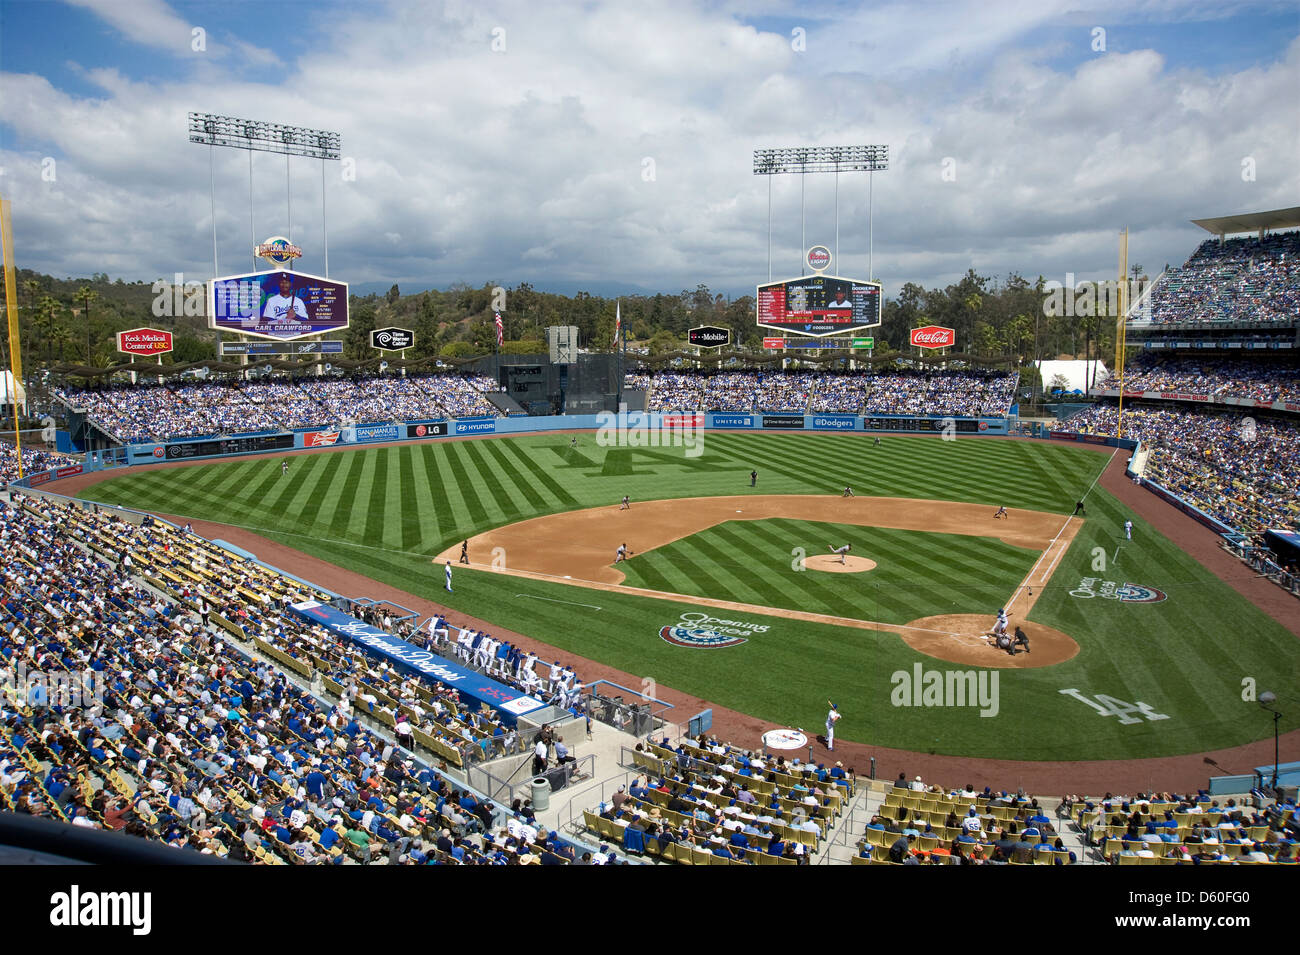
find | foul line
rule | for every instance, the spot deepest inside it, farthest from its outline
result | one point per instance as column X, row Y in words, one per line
column 556, row 601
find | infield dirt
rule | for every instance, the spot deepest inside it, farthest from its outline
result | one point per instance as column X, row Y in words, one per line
column 579, row 547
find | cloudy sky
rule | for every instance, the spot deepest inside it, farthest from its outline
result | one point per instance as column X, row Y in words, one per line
column 609, row 146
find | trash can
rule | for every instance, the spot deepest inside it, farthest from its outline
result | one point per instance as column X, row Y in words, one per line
column 541, row 794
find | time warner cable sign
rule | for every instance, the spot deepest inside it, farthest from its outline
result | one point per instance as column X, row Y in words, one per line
column 278, row 305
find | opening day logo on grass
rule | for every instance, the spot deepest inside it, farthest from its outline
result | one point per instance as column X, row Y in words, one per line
column 1090, row 587
column 700, row 631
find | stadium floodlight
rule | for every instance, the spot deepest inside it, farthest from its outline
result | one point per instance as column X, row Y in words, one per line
column 210, row 129
column 801, row 160
column 213, row 130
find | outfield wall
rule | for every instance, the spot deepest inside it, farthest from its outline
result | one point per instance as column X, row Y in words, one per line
column 640, row 423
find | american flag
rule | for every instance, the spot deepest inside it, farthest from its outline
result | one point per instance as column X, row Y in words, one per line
column 500, row 329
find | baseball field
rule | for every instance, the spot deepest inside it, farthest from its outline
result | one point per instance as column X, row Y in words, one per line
column 731, row 593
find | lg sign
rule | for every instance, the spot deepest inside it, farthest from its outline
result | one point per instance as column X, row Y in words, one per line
column 933, row 336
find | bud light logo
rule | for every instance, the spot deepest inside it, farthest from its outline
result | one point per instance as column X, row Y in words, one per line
column 698, row 638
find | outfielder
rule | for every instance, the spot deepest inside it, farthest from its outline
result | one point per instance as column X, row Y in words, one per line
column 1128, row 530
column 841, row 551
column 832, row 718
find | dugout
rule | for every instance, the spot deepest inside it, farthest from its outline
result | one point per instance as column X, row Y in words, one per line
column 1286, row 544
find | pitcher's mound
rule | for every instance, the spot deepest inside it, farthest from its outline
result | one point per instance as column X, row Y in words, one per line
column 961, row 638
column 831, row 563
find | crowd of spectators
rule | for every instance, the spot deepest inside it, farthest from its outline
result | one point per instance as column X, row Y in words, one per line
column 1239, row 280
column 1187, row 829
column 942, row 393
column 1238, row 468
column 1217, row 377
column 927, row 825
column 34, row 460
column 705, row 797
column 139, row 413
column 183, row 732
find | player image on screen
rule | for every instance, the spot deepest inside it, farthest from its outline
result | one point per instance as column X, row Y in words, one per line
column 840, row 300
column 285, row 305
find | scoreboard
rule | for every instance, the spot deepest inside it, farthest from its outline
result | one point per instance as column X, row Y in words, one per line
column 819, row 305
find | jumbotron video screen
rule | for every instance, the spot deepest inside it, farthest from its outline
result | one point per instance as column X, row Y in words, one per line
column 819, row 305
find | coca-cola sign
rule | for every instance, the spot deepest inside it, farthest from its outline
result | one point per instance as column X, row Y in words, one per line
column 933, row 336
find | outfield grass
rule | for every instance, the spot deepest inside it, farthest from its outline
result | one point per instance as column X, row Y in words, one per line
column 382, row 512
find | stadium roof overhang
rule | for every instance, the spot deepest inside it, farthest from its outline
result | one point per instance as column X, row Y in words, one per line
column 1251, row 222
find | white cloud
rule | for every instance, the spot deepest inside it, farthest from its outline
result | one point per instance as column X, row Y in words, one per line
column 529, row 164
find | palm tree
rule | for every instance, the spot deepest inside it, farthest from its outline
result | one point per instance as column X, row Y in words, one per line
column 87, row 296
column 47, row 312
column 61, row 335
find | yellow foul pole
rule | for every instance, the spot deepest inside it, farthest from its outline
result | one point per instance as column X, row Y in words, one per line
column 1120, row 337
column 11, row 308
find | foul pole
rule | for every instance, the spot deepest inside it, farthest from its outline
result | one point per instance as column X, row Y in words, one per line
column 11, row 309
column 1120, row 337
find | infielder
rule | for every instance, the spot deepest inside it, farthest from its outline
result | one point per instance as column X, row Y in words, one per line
column 848, row 492
column 841, row 551
column 626, row 505
column 622, row 553
column 832, row 718
column 1001, row 512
